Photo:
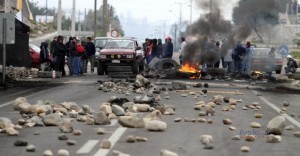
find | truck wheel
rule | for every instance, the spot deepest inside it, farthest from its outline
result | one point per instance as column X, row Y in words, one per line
column 278, row 71
column 135, row 68
column 100, row 69
column 142, row 66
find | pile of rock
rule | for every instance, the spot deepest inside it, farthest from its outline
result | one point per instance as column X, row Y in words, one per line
column 21, row 72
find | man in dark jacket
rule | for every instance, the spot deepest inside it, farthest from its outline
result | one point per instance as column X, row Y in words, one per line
column 44, row 55
column 238, row 57
column 59, row 54
column 70, row 56
column 52, row 45
column 90, row 51
column 168, row 50
column 291, row 66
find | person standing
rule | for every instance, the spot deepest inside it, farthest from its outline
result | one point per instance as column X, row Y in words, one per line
column 217, row 64
column 168, row 51
column 70, row 56
column 238, row 57
column 52, row 45
column 90, row 51
column 44, row 55
column 59, row 54
column 154, row 51
column 159, row 47
column 77, row 59
column 181, row 49
column 148, row 52
column 248, row 59
column 228, row 60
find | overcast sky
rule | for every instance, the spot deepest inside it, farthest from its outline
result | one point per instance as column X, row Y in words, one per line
column 155, row 11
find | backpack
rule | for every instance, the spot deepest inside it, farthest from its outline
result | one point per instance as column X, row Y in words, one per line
column 79, row 48
column 295, row 64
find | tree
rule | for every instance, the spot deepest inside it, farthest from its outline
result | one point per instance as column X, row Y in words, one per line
column 36, row 10
column 113, row 20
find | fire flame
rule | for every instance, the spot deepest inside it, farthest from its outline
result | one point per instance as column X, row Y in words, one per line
column 188, row 68
column 257, row 72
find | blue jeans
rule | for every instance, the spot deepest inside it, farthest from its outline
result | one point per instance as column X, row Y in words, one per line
column 238, row 67
column 77, row 65
column 70, row 64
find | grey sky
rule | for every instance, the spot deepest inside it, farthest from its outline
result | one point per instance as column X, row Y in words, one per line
column 155, row 11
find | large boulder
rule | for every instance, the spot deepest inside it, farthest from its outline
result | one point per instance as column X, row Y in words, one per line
column 19, row 101
column 51, row 119
column 141, row 107
column 106, row 108
column 71, row 106
column 86, row 109
column 66, row 126
column 101, row 119
column 4, row 122
column 133, row 121
column 155, row 125
column 141, row 81
column 177, row 85
column 276, row 125
column 118, row 110
column 128, row 105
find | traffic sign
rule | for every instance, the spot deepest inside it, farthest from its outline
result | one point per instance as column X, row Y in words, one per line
column 283, row 50
column 114, row 33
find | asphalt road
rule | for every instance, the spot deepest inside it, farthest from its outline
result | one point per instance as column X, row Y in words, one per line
column 182, row 137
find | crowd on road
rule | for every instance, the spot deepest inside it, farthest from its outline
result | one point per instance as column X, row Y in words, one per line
column 78, row 55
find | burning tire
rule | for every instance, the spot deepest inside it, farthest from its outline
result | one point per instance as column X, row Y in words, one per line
column 167, row 63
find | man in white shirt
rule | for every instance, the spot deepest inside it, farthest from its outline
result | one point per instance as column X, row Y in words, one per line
column 182, row 46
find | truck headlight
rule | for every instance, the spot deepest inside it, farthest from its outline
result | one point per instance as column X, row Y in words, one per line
column 129, row 56
column 102, row 56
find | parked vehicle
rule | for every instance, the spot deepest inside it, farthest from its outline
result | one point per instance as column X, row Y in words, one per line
column 99, row 44
column 121, row 55
column 262, row 62
column 35, row 55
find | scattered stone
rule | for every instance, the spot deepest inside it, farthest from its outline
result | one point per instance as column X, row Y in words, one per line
column 105, row 144
column 86, row 109
column 285, row 103
column 140, row 139
column 36, row 120
column 226, row 99
column 106, row 108
column 101, row 119
column 297, row 134
column 258, row 115
column 250, row 138
column 198, row 107
column 227, row 122
column 169, row 111
column 167, row 97
column 77, row 132
column 51, row 119
column 245, row 149
column 211, row 104
column 255, row 125
column 177, row 85
column 118, row 153
column 209, row 121
column 89, row 120
column 198, row 85
column 273, row 138
column 112, row 116
column 158, row 98
column 21, row 143
column 284, row 109
column 206, row 139
column 183, row 95
column 245, row 108
column 204, row 91
column 236, row 137
column 177, row 119
column 232, row 128
column 276, row 125
column 101, row 131
column 36, row 133
column 63, row 152
column 292, row 115
column 217, row 99
column 133, row 121
column 47, row 153
column 209, row 146
column 202, row 113
column 155, row 125
column 30, row 148
column 142, row 107
column 62, row 136
column 210, row 111
column 5, row 122
column 206, row 85
column 155, row 115
column 167, row 153
column 130, row 139
column 73, row 114
column 201, row 120
column 71, row 142
column 10, row 131
column 20, row 121
column 118, row 110
column 291, row 127
column 65, row 126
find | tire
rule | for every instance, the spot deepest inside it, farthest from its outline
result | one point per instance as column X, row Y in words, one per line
column 135, row 68
column 167, row 64
column 278, row 71
column 142, row 65
column 100, row 69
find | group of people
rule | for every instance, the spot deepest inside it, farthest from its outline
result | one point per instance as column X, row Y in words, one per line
column 78, row 55
column 154, row 48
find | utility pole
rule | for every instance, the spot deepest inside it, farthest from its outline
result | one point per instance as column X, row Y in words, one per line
column 179, row 25
column 73, row 33
column 105, row 17
column 84, row 24
column 59, row 17
column 191, row 12
column 95, row 19
column 46, row 11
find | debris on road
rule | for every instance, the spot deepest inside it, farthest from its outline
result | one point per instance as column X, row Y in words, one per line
column 155, row 125
column 167, row 153
column 63, row 152
column 30, row 148
column 245, row 149
column 47, row 153
column 276, row 125
column 105, row 144
column 21, row 143
column 273, row 138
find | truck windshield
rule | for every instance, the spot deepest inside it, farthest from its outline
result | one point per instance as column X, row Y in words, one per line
column 119, row 44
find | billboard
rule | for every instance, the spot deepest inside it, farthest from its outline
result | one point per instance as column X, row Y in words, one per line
column 44, row 19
